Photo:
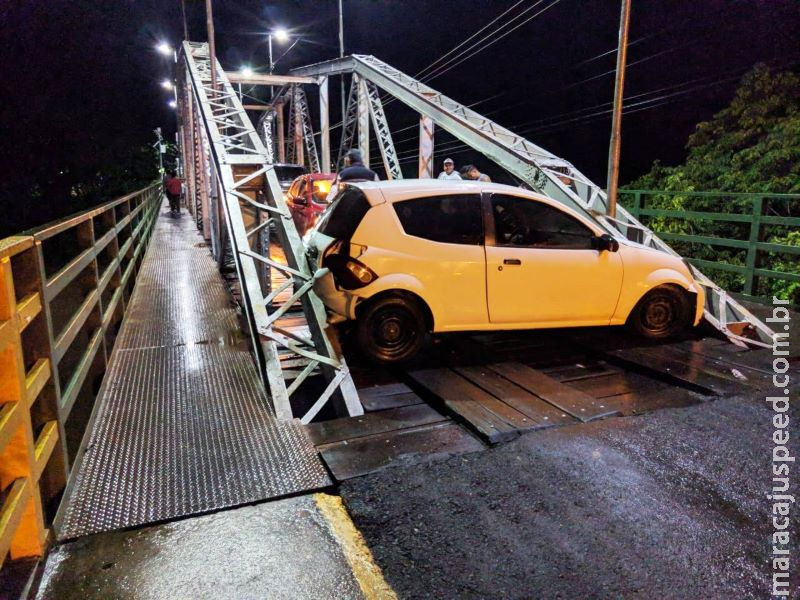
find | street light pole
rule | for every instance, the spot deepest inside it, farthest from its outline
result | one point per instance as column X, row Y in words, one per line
column 211, row 48
column 185, row 25
column 341, row 51
column 616, row 121
column 271, row 64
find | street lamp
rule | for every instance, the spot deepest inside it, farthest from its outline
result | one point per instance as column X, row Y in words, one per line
column 166, row 84
column 246, row 72
column 164, row 48
column 282, row 36
column 172, row 104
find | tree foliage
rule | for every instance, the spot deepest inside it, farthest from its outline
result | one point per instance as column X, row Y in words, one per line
column 752, row 145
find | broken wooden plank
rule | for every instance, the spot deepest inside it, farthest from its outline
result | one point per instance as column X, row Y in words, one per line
column 537, row 410
column 405, row 417
column 458, row 396
column 572, row 401
column 373, row 453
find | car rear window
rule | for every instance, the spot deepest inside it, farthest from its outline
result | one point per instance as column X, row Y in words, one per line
column 289, row 172
column 341, row 220
column 453, row 219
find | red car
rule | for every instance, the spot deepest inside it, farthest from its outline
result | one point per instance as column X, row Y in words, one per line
column 307, row 198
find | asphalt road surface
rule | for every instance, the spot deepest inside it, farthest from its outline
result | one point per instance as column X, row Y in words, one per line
column 671, row 504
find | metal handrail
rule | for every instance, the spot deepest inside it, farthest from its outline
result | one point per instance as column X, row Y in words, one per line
column 46, row 367
column 754, row 244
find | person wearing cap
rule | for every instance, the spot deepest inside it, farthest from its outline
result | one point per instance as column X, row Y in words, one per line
column 354, row 169
column 449, row 170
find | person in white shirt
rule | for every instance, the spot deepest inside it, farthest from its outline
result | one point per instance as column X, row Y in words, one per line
column 449, row 170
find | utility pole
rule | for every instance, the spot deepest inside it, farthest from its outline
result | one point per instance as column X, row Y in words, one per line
column 211, row 49
column 271, row 64
column 185, row 25
column 341, row 52
column 616, row 121
column 159, row 145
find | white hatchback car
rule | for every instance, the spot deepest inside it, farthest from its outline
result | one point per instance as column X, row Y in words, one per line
column 412, row 257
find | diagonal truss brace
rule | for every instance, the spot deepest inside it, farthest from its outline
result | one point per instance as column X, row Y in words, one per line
column 390, row 161
column 302, row 113
column 239, row 162
column 348, row 124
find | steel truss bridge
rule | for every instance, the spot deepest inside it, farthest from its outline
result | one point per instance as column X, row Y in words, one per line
column 185, row 422
column 238, row 199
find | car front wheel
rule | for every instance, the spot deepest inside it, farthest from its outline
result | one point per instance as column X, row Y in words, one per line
column 391, row 330
column 662, row 314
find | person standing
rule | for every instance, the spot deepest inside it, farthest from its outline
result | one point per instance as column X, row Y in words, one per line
column 471, row 173
column 449, row 170
column 478, row 176
column 354, row 169
column 174, row 186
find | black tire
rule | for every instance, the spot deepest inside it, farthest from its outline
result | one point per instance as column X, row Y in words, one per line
column 662, row 314
column 391, row 329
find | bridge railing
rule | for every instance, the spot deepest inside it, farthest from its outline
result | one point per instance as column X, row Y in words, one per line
column 63, row 291
column 745, row 239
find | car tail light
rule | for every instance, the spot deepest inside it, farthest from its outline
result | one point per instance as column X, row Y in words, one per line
column 348, row 272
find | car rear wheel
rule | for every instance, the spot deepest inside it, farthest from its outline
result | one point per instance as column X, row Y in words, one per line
column 391, row 329
column 662, row 314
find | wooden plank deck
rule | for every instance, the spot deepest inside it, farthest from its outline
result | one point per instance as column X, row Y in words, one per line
column 580, row 405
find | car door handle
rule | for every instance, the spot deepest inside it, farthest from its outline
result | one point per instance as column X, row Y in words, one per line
column 512, row 261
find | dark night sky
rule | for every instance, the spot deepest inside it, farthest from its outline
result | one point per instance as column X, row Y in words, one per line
column 81, row 79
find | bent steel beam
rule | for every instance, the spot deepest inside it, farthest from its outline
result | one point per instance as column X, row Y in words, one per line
column 251, row 199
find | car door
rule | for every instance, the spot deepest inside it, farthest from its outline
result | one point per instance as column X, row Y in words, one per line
column 542, row 268
column 442, row 248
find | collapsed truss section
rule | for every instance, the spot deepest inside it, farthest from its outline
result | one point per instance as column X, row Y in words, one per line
column 249, row 202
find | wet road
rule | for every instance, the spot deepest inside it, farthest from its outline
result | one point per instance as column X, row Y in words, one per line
column 282, row 549
column 666, row 505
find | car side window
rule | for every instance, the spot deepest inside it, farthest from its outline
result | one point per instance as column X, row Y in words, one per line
column 525, row 222
column 294, row 190
column 453, row 219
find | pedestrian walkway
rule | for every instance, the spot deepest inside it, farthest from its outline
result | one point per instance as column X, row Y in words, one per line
column 182, row 425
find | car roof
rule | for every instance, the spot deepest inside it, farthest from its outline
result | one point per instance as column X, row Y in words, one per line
column 399, row 189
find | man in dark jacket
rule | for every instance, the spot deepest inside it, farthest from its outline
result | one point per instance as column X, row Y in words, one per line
column 355, row 170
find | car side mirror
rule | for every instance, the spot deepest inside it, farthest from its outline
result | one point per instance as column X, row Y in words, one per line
column 605, row 242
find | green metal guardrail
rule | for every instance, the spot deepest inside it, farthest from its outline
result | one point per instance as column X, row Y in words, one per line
column 758, row 213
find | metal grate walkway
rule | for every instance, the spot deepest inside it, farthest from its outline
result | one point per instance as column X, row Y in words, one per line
column 182, row 424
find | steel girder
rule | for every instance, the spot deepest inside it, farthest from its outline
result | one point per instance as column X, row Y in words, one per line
column 304, row 116
column 537, row 168
column 251, row 199
column 365, row 98
column 391, row 163
column 349, row 122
